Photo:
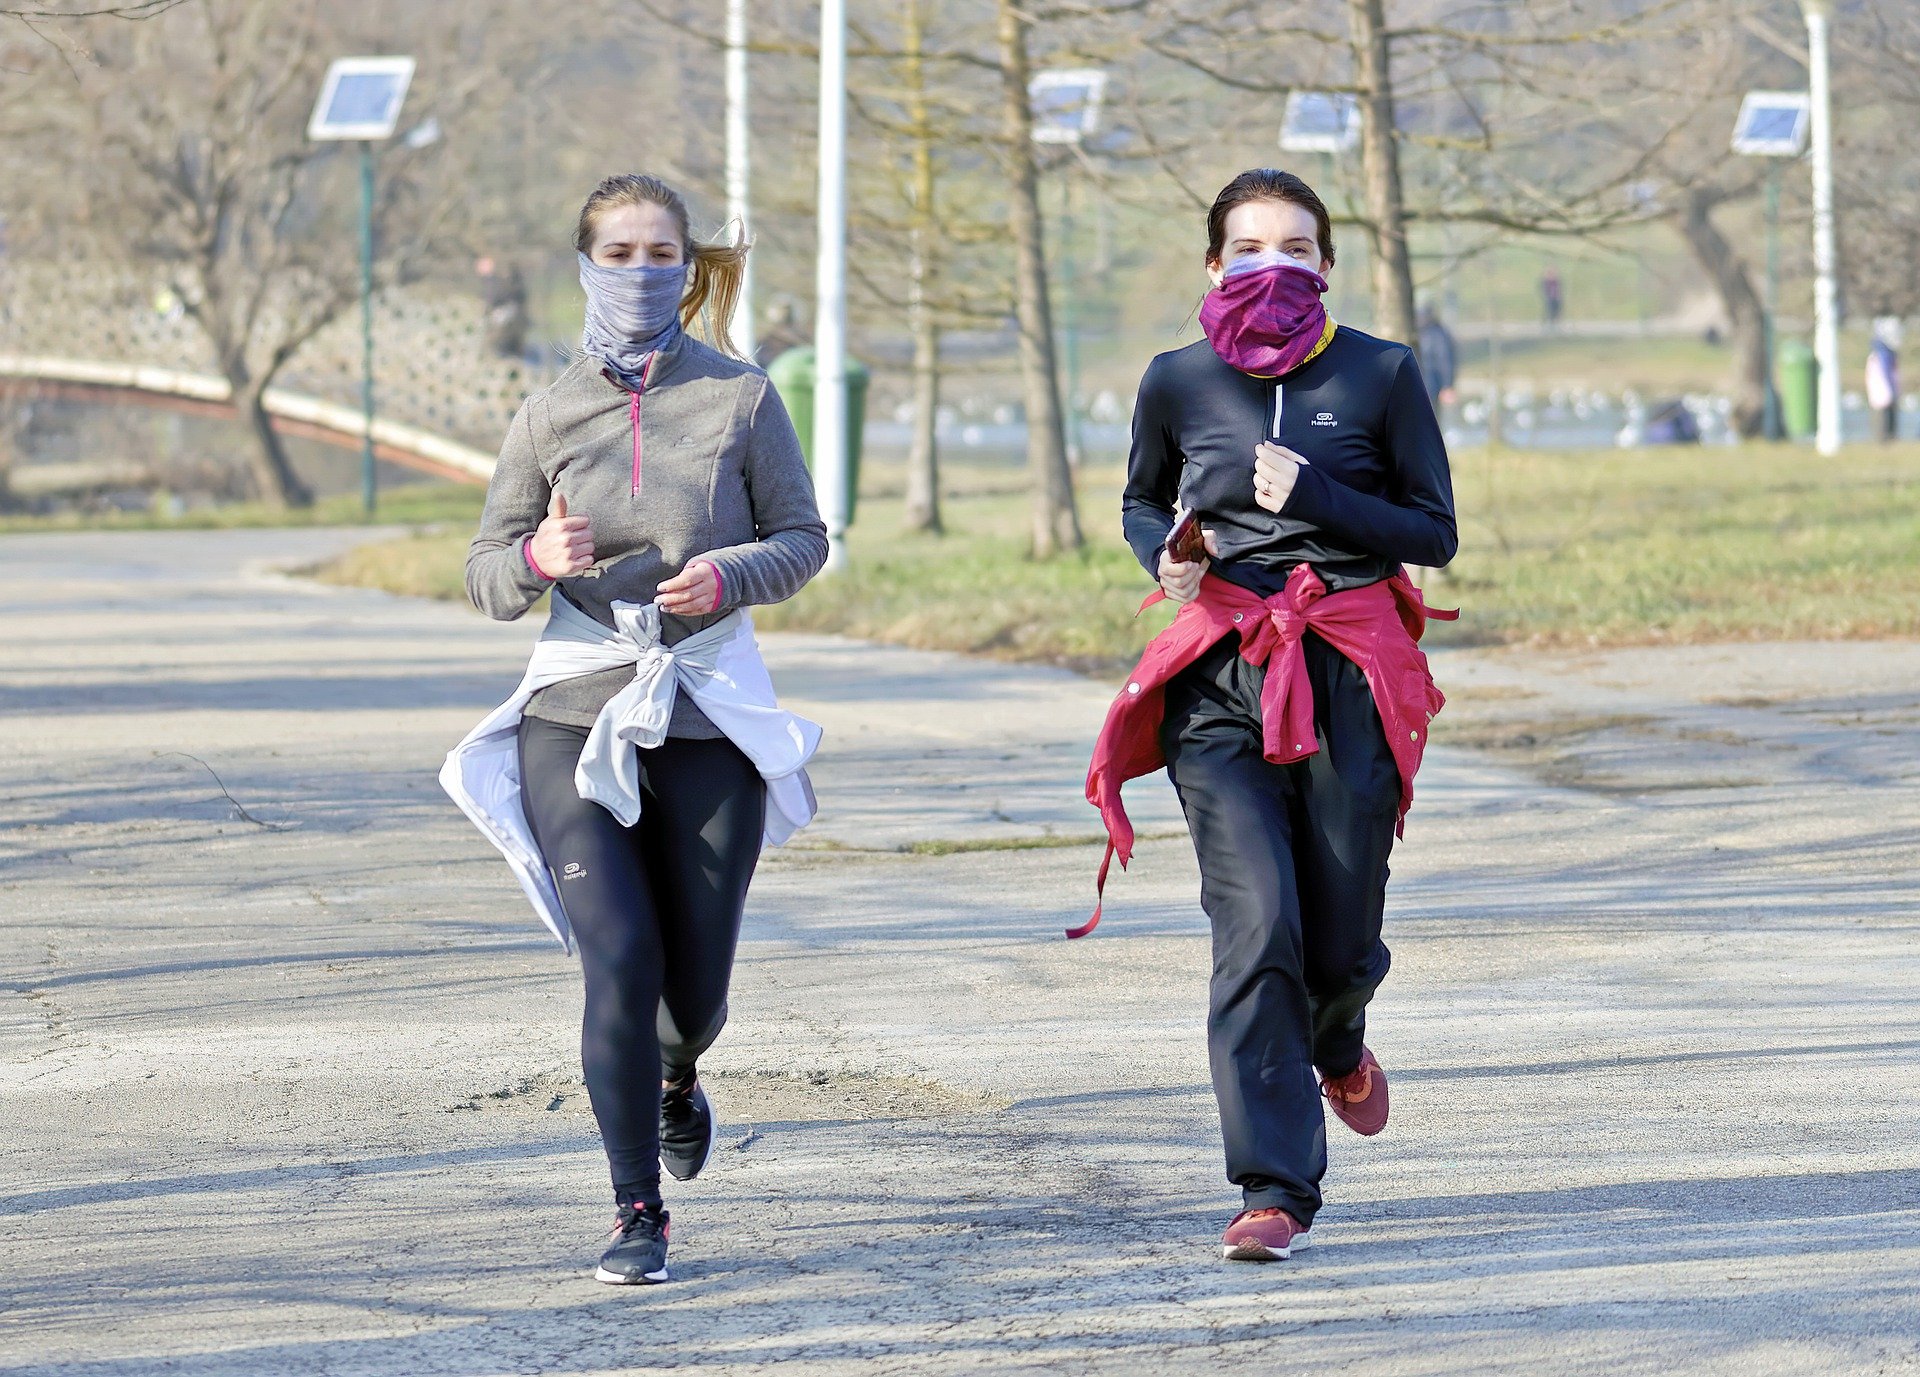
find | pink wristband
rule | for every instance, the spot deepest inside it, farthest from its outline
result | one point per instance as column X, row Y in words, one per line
column 719, row 585
column 526, row 551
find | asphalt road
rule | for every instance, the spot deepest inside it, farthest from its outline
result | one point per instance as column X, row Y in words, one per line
column 288, row 1077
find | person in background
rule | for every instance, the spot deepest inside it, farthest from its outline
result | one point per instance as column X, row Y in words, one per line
column 503, row 295
column 780, row 332
column 1883, row 377
column 1552, row 301
column 1439, row 358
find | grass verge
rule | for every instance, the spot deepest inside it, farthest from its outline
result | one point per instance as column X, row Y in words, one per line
column 408, row 504
column 1557, row 549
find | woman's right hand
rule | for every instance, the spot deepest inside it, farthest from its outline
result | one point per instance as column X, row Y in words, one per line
column 563, row 545
column 1180, row 581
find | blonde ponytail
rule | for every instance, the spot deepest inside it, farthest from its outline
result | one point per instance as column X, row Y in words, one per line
column 719, row 273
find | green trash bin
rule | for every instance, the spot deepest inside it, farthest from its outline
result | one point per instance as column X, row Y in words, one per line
column 1799, row 383
column 792, row 377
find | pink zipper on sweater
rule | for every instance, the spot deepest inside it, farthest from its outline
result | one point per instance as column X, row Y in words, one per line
column 633, row 415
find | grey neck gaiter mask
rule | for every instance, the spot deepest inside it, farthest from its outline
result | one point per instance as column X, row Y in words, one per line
column 631, row 312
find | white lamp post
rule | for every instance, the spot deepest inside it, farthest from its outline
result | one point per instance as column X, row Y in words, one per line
column 830, row 287
column 738, row 162
column 1826, row 307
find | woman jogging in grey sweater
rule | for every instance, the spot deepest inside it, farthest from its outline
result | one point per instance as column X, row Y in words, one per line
column 657, row 487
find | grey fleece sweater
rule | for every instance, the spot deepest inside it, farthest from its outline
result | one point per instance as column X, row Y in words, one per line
column 719, row 476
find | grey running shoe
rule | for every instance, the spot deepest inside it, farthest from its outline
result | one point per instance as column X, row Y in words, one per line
column 638, row 1251
column 687, row 1130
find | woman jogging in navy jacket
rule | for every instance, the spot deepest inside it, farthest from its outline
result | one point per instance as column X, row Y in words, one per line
column 1283, row 469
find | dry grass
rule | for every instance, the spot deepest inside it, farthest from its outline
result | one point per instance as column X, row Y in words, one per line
column 1578, row 548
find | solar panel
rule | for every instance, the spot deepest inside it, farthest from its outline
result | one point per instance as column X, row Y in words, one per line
column 1320, row 122
column 1772, row 124
column 1066, row 103
column 361, row 98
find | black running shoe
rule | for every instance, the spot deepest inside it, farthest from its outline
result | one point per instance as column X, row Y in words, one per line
column 687, row 1130
column 638, row 1254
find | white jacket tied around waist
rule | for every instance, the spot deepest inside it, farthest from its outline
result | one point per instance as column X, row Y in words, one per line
column 720, row 666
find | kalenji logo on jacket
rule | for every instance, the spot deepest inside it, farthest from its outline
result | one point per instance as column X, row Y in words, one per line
column 1325, row 418
column 574, row 871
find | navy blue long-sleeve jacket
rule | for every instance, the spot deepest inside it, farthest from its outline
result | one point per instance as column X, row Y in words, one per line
column 1376, row 492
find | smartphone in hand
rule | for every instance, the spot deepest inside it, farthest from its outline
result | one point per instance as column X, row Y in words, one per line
column 1185, row 543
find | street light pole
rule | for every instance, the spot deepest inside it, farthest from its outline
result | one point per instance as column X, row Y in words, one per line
column 359, row 101
column 1771, row 425
column 367, row 478
column 741, row 327
column 1065, row 109
column 830, row 287
column 1069, row 316
column 1826, row 311
column 1772, row 124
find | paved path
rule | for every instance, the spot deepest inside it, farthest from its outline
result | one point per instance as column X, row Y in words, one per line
column 295, row 1091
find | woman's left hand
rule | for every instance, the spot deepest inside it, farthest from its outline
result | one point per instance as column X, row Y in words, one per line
column 692, row 592
column 1275, row 467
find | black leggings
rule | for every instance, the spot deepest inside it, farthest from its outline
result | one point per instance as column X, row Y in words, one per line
column 655, row 910
column 1293, row 877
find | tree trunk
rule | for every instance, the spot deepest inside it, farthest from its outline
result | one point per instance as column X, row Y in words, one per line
column 1056, row 524
column 9, row 429
column 1744, row 313
column 1380, row 171
column 274, row 480
column 923, row 455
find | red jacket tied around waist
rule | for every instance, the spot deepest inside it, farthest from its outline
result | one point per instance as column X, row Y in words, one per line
column 1378, row 627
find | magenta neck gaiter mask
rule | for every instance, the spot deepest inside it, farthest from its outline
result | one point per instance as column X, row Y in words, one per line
column 1266, row 316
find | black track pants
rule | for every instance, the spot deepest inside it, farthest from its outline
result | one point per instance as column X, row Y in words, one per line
column 655, row 911
column 1293, row 874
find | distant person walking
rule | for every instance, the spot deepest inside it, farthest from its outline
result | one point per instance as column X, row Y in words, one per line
column 1552, row 300
column 1283, row 470
column 1883, row 376
column 781, row 331
column 1439, row 359
column 503, row 296
column 654, row 490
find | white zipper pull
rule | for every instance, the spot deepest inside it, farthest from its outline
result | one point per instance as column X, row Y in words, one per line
column 1279, row 391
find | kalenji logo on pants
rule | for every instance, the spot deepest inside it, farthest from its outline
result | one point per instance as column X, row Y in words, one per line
column 574, row 871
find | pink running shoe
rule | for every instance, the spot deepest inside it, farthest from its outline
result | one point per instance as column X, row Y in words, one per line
column 1360, row 1096
column 1268, row 1235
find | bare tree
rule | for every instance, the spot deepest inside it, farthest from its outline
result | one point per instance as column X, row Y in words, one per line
column 1056, row 522
column 923, row 104
column 1877, row 54
column 1380, row 163
column 923, row 450
column 139, row 9
column 1472, row 112
column 895, row 97
column 47, row 22
column 187, row 139
column 1732, row 278
column 1688, row 91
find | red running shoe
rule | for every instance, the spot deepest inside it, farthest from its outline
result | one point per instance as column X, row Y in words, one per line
column 1268, row 1235
column 1360, row 1096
